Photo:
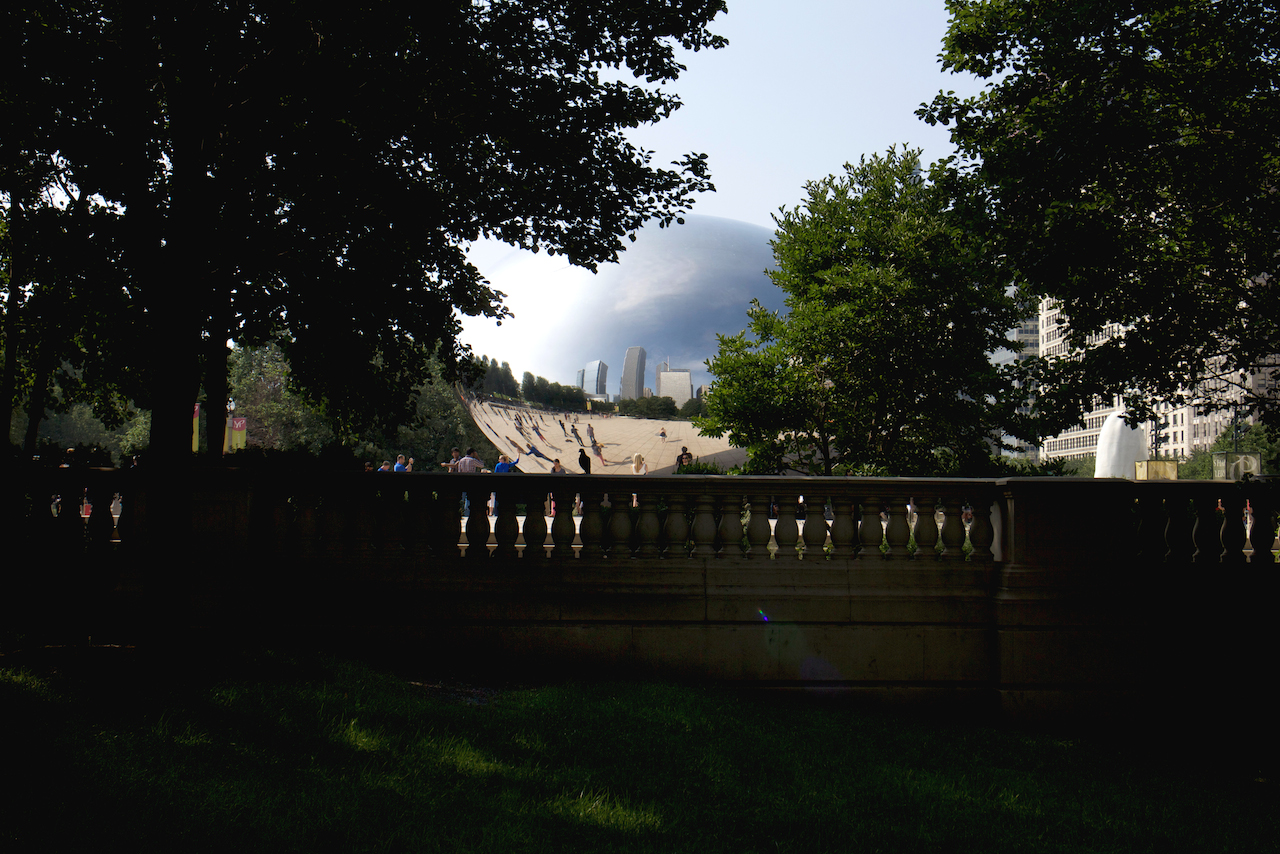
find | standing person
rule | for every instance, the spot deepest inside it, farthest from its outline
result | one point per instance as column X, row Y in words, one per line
column 591, row 433
column 584, row 461
column 556, row 468
column 452, row 464
column 400, row 463
column 574, row 430
column 504, row 466
column 662, row 434
column 562, row 429
column 638, row 466
column 469, row 463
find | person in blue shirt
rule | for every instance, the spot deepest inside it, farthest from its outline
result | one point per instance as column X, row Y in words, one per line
column 505, row 464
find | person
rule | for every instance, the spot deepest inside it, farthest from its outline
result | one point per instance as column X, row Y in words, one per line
column 562, row 430
column 662, row 434
column 584, row 461
column 573, row 428
column 598, row 450
column 533, row 449
column 368, row 466
column 591, row 433
column 452, row 464
column 556, row 468
column 469, row 463
column 386, row 466
column 505, row 464
column 400, row 463
column 638, row 466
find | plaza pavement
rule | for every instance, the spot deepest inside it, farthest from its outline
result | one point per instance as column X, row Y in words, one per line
column 621, row 437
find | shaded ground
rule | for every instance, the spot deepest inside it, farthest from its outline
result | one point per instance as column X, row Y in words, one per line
column 264, row 750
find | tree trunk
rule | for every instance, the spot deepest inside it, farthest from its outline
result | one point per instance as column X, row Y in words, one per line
column 19, row 277
column 39, row 398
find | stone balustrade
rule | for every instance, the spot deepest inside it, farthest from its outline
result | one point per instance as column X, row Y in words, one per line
column 1048, row 595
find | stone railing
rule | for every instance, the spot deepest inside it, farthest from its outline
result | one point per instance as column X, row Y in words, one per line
column 1046, row 595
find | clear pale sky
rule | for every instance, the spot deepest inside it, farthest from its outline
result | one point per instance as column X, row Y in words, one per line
column 803, row 87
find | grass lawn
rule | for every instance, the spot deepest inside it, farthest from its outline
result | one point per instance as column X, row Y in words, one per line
column 270, row 751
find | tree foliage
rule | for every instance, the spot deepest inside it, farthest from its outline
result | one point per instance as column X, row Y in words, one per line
column 313, row 175
column 660, row 408
column 881, row 362
column 1131, row 154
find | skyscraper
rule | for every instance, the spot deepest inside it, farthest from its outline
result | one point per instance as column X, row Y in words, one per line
column 633, row 373
column 595, row 377
column 675, row 384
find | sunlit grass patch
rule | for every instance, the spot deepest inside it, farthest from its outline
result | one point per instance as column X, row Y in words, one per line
column 601, row 809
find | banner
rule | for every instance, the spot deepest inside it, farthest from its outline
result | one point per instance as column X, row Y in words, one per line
column 195, row 430
column 239, row 433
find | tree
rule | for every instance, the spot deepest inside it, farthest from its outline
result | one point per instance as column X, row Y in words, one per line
column 315, row 175
column 1130, row 152
column 1255, row 438
column 881, row 362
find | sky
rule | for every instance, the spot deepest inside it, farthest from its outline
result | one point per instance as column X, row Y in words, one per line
column 804, row 87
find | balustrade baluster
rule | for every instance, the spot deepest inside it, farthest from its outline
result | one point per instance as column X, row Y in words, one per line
column 730, row 530
column 101, row 525
column 1206, row 535
column 786, row 531
column 926, row 530
column 477, row 524
column 675, row 530
column 592, row 527
column 562, row 529
column 758, row 531
column 444, row 524
column 843, row 529
column 618, row 541
column 815, row 527
column 870, row 531
column 648, row 526
column 70, row 524
column 1149, row 536
column 1178, row 530
column 953, row 529
column 1232, row 531
column 535, row 524
column 703, row 530
column 981, row 533
column 898, row 531
column 506, row 528
column 1262, row 535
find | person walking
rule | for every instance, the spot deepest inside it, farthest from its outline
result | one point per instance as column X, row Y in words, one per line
column 573, row 428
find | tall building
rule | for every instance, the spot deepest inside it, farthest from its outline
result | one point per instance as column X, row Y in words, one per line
column 676, row 385
column 594, row 377
column 581, row 379
column 633, row 374
column 1178, row 429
